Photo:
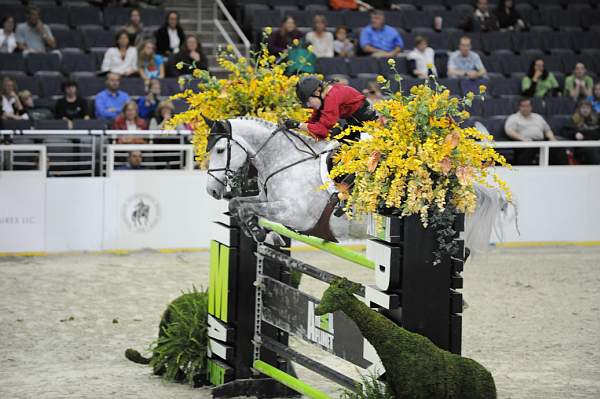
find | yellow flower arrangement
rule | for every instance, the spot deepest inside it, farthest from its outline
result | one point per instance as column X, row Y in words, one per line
column 418, row 159
column 254, row 87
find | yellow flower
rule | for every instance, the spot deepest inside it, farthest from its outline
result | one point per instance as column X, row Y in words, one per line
column 482, row 89
column 310, row 48
column 295, row 42
column 242, row 60
column 229, row 47
column 430, row 66
column 380, row 79
column 179, row 65
column 197, row 73
column 268, row 30
column 181, row 82
column 391, row 62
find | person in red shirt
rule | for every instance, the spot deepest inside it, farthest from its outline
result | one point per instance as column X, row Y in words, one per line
column 331, row 102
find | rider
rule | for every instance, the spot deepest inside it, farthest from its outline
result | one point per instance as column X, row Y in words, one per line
column 331, row 101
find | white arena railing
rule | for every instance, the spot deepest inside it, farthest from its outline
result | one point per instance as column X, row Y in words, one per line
column 111, row 149
column 29, row 150
column 544, row 147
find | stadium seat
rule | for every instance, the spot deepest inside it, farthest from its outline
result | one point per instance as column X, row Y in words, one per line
column 476, row 108
column 526, row 40
column 15, row 10
column 42, row 62
column 451, row 19
column 515, row 64
column 359, row 83
column 89, row 124
column 558, row 122
column 400, row 65
column 491, row 41
column 11, row 62
column 553, row 63
column 497, row 106
column 554, row 40
column 14, row 124
column 302, row 18
column 394, row 18
column 51, row 124
column 495, row 126
column 355, row 19
column 417, row 19
column 87, row 15
column 152, row 16
column 316, row 8
column 590, row 18
column 441, row 63
column 261, row 18
column 558, row 18
column 52, row 15
column 586, row 40
column 560, row 105
column 95, row 38
column 533, row 53
column 89, row 86
column 133, row 86
column 169, row 86
column 116, row 16
column 437, row 41
column 331, row 66
column 78, row 63
column 364, row 67
column 50, row 84
column 504, row 86
column 70, row 39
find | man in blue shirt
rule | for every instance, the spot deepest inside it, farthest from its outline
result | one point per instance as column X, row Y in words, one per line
column 379, row 39
column 110, row 102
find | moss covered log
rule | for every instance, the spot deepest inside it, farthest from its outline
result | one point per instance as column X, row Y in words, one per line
column 415, row 367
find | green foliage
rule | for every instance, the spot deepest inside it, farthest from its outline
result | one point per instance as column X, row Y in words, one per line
column 180, row 349
column 370, row 388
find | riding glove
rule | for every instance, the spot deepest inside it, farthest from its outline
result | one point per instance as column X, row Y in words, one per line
column 291, row 124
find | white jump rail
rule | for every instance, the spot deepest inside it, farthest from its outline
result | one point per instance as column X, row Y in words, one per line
column 112, row 148
column 27, row 147
column 544, row 147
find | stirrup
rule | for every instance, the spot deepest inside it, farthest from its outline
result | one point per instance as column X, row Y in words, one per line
column 339, row 209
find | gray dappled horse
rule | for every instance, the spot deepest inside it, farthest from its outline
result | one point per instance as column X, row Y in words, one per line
column 289, row 179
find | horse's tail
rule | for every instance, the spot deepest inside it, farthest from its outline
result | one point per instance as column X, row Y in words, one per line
column 492, row 208
column 136, row 356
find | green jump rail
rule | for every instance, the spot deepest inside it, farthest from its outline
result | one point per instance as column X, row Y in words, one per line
column 316, row 242
column 289, row 381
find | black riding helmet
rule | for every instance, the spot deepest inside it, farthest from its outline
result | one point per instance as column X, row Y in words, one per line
column 306, row 86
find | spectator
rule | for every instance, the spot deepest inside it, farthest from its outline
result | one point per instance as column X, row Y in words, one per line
column 579, row 84
column 594, row 99
column 379, row 39
column 129, row 118
column 584, row 125
column 164, row 112
column 11, row 105
column 71, row 106
column 134, row 161
column 191, row 55
column 121, row 59
column 170, row 36
column 350, row 5
column 373, row 93
column 481, row 20
column 525, row 125
column 30, row 110
column 508, row 18
column 33, row 36
column 284, row 36
column 538, row 82
column 147, row 105
column 110, row 101
column 134, row 27
column 342, row 45
column 150, row 64
column 321, row 40
column 8, row 41
column 466, row 65
column 423, row 56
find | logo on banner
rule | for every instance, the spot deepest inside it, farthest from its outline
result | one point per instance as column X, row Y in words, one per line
column 141, row 213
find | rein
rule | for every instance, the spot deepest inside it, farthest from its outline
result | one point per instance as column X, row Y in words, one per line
column 230, row 174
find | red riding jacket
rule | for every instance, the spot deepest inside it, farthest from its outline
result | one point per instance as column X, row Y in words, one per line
column 340, row 102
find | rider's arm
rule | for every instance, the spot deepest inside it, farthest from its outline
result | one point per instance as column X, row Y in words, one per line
column 328, row 117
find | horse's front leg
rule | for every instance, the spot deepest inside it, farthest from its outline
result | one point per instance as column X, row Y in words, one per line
column 249, row 213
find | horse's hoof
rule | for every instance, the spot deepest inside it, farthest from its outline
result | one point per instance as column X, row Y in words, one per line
column 274, row 239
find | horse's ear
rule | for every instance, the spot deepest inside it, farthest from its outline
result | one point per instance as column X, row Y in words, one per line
column 208, row 121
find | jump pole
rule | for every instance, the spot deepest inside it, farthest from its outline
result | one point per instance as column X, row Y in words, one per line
column 327, row 246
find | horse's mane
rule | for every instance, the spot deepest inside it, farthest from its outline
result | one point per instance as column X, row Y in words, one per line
column 262, row 122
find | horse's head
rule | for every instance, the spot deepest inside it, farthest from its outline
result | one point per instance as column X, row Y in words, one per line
column 226, row 157
column 337, row 296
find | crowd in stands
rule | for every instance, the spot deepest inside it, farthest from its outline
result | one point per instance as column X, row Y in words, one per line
column 133, row 61
column 473, row 44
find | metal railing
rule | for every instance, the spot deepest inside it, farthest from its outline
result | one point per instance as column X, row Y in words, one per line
column 544, row 147
column 112, row 149
column 219, row 8
column 31, row 150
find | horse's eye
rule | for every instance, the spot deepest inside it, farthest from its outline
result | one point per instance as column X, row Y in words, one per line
column 220, row 150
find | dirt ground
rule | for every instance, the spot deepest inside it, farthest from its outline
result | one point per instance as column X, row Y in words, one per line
column 65, row 321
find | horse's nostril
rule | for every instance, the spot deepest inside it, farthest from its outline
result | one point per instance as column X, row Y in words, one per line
column 214, row 193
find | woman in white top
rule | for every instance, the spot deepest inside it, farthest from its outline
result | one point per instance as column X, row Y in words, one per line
column 11, row 105
column 8, row 43
column 423, row 56
column 321, row 40
column 121, row 59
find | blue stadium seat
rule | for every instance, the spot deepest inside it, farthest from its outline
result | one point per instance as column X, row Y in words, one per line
column 95, row 38
column 54, row 15
column 558, row 18
column 152, row 16
column 332, row 66
column 71, row 39
column 16, row 124
column 51, row 124
column 416, row 19
column 78, row 63
column 79, row 16
column 356, row 19
column 133, row 86
column 586, row 40
column 491, row 41
column 554, row 40
column 11, row 62
column 453, row 85
column 394, row 18
column 560, row 105
column 116, row 16
column 497, row 106
column 500, row 87
column 89, row 86
column 515, row 64
column 495, row 126
column 169, row 86
column 42, row 62
column 364, row 67
column 50, row 84
column 558, row 122
column 526, row 40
